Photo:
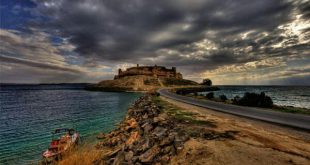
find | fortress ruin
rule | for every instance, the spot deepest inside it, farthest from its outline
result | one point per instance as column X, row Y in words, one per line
column 155, row 71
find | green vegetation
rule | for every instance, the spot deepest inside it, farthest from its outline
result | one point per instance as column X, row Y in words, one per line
column 223, row 98
column 264, row 100
column 185, row 91
column 151, row 81
column 210, row 95
column 178, row 113
column 291, row 109
column 206, row 82
column 254, row 100
column 176, row 82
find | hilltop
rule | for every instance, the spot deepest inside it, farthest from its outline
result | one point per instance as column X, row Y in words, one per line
column 143, row 78
column 139, row 83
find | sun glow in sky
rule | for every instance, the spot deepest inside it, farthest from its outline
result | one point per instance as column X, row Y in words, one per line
column 232, row 42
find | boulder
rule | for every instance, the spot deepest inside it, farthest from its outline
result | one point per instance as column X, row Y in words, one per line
column 135, row 159
column 160, row 132
column 179, row 140
column 120, row 157
column 167, row 149
column 149, row 155
column 165, row 159
column 143, row 136
column 147, row 127
column 145, row 116
column 113, row 153
column 132, row 123
column 129, row 156
column 167, row 141
column 146, row 144
column 133, row 137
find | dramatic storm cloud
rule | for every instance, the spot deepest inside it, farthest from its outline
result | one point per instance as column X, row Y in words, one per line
column 229, row 41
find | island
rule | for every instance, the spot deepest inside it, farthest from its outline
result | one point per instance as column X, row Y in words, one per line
column 143, row 78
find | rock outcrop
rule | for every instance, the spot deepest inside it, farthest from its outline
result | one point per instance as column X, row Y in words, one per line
column 146, row 136
column 139, row 83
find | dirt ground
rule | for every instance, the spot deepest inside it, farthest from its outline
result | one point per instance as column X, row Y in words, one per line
column 237, row 141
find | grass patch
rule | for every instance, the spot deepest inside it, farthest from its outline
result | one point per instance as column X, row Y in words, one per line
column 170, row 108
column 177, row 82
column 291, row 109
column 286, row 109
column 179, row 114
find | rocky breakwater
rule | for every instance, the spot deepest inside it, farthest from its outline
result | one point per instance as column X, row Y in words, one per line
column 146, row 136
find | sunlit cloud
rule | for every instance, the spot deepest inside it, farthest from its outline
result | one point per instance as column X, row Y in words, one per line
column 231, row 42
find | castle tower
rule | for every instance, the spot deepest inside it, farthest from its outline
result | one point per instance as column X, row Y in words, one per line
column 174, row 69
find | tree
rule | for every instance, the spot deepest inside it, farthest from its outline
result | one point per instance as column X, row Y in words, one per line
column 210, row 95
column 206, row 82
column 254, row 100
column 223, row 97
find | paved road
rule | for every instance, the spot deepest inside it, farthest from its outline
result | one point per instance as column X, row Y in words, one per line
column 288, row 119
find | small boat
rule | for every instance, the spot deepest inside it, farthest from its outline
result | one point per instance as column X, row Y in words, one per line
column 63, row 140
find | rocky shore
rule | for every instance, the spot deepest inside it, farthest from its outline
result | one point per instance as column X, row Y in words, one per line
column 146, row 136
column 161, row 131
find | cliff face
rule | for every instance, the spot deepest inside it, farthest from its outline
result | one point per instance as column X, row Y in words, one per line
column 139, row 83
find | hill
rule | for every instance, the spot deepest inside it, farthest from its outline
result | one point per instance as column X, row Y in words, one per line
column 139, row 83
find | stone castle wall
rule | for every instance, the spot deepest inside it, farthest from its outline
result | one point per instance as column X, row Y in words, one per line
column 155, row 71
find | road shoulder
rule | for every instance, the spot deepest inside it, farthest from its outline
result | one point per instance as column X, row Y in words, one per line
column 253, row 142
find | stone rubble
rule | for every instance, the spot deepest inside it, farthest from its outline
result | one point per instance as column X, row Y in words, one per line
column 146, row 136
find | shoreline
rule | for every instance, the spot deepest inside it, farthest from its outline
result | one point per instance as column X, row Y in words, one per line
column 275, row 107
column 156, row 131
column 144, row 136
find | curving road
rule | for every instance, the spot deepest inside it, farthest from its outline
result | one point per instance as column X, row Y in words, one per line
column 288, row 119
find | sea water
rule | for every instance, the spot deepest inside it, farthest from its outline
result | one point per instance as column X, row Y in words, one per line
column 28, row 114
column 297, row 96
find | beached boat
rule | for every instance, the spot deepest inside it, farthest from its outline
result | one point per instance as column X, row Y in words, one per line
column 63, row 140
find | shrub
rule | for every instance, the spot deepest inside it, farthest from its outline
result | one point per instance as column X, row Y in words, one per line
column 210, row 95
column 223, row 97
column 255, row 100
column 175, row 81
column 179, row 92
column 185, row 91
column 206, row 82
column 236, row 99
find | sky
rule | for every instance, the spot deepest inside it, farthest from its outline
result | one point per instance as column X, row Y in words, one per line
column 232, row 42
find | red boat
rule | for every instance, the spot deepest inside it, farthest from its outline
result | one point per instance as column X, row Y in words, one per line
column 63, row 140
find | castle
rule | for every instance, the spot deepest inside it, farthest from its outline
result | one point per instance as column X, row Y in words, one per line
column 155, row 71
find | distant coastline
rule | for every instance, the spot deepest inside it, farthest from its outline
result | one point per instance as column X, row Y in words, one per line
column 292, row 99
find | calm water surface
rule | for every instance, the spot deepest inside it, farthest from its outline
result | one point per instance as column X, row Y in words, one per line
column 30, row 113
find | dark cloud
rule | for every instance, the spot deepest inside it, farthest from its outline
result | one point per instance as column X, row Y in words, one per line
column 196, row 36
column 304, row 7
column 130, row 30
